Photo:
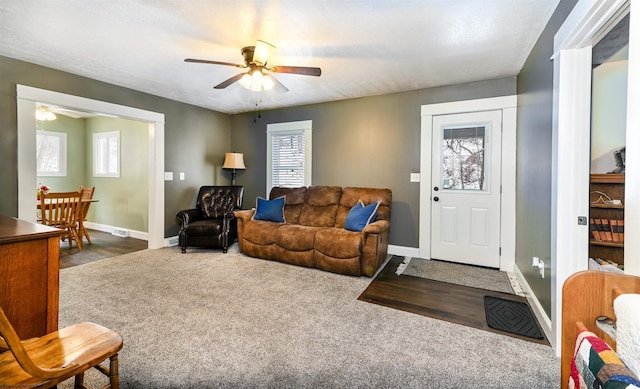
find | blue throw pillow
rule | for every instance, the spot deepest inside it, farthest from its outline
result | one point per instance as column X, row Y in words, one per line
column 360, row 216
column 270, row 210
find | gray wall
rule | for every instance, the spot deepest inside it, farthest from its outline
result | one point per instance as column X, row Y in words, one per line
column 195, row 138
column 370, row 142
column 533, row 184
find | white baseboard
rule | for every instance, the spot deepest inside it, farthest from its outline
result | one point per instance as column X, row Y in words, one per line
column 403, row 251
column 105, row 228
column 171, row 241
column 541, row 315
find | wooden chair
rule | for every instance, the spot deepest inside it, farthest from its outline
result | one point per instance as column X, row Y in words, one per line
column 62, row 210
column 46, row 361
column 87, row 194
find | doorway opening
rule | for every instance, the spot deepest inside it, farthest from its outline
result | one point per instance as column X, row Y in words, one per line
column 29, row 97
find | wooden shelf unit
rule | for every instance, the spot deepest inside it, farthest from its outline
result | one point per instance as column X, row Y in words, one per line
column 613, row 186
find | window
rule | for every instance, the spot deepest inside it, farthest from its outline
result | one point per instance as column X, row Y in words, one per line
column 51, row 153
column 289, row 154
column 106, row 154
column 463, row 162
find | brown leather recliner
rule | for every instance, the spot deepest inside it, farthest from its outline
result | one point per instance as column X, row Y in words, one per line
column 212, row 222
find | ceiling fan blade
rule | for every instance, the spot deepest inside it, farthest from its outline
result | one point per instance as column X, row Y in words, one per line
column 278, row 85
column 262, row 52
column 306, row 71
column 228, row 82
column 214, row 62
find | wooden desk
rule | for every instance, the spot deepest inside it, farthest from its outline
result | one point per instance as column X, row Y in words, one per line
column 29, row 276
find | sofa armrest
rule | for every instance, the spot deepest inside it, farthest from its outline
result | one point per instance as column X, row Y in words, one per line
column 187, row 216
column 244, row 215
column 376, row 227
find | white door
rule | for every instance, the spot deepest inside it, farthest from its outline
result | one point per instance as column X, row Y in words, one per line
column 465, row 193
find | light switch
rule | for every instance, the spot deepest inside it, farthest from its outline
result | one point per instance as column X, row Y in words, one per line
column 182, row 175
column 168, row 176
column 414, row 177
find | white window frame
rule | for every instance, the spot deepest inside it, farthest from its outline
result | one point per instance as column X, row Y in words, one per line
column 304, row 127
column 97, row 137
column 62, row 154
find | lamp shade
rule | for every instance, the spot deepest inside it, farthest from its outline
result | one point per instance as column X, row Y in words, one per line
column 233, row 161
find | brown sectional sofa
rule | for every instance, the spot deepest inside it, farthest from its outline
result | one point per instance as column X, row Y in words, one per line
column 313, row 234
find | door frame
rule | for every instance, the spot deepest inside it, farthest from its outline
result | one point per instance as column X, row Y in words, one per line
column 571, row 143
column 27, row 97
column 508, row 106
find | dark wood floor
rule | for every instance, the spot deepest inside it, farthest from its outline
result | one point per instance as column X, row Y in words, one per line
column 103, row 245
column 440, row 300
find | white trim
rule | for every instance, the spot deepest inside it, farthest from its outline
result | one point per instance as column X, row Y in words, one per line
column 632, row 184
column 508, row 105
column 570, row 144
column 306, row 126
column 534, row 303
column 403, row 251
column 26, row 102
column 109, row 229
column 62, row 153
column 97, row 136
column 171, row 241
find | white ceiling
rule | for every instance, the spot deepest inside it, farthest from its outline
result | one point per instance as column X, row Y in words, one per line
column 364, row 47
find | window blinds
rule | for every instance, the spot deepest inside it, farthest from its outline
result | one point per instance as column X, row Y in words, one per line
column 288, row 159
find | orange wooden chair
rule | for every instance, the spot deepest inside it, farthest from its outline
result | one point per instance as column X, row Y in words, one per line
column 46, row 361
column 87, row 194
column 62, row 210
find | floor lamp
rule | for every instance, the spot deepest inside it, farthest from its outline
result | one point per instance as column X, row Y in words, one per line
column 233, row 162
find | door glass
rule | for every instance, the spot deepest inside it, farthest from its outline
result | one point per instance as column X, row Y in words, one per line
column 463, row 158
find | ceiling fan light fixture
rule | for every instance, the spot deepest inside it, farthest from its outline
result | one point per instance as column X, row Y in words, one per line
column 245, row 81
column 43, row 113
column 263, row 51
column 256, row 81
column 267, row 82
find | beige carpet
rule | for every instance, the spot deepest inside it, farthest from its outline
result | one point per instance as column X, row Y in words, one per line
column 210, row 320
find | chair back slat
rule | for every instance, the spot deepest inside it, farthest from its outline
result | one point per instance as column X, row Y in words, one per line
column 60, row 209
column 87, row 194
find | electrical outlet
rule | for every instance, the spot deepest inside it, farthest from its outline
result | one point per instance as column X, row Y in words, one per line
column 414, row 177
column 168, row 176
column 539, row 264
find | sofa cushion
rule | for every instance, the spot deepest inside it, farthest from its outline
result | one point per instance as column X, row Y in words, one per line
column 295, row 198
column 204, row 228
column 295, row 237
column 216, row 201
column 338, row 243
column 320, row 207
column 351, row 195
column 361, row 215
column 261, row 232
column 270, row 210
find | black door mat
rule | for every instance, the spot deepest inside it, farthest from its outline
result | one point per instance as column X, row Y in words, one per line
column 511, row 316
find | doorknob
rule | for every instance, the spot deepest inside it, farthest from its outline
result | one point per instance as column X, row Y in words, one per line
column 436, row 188
column 436, row 198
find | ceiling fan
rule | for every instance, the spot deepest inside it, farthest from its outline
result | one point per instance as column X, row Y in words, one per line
column 258, row 77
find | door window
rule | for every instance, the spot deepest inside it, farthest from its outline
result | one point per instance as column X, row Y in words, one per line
column 463, row 158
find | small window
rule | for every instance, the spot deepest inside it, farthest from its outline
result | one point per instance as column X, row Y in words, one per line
column 106, row 154
column 51, row 153
column 289, row 154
